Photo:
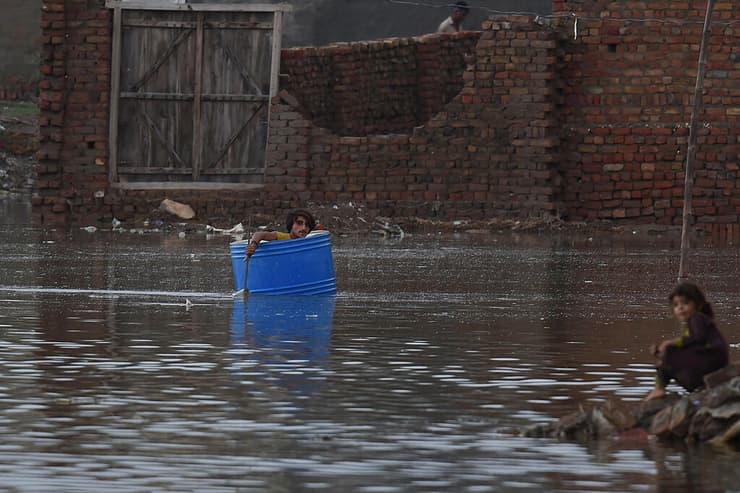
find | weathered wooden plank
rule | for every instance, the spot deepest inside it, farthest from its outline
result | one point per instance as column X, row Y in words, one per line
column 151, row 170
column 197, row 158
column 173, row 185
column 157, row 96
column 220, row 25
column 238, row 59
column 182, row 36
column 114, row 94
column 249, row 26
column 163, row 96
column 169, row 170
column 138, row 143
column 145, row 66
column 197, row 7
column 224, row 121
column 277, row 39
column 239, row 98
column 161, row 136
column 240, row 68
column 233, row 138
column 234, row 135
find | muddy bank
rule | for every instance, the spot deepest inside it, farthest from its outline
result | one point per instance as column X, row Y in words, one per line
column 353, row 218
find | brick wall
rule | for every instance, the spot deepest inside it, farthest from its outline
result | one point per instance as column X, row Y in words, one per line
column 18, row 89
column 73, row 99
column 628, row 91
column 589, row 128
column 376, row 87
column 489, row 152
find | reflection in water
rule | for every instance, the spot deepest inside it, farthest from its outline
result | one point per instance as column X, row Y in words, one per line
column 285, row 339
column 125, row 365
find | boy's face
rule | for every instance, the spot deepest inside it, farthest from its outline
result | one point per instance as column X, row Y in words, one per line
column 459, row 14
column 300, row 227
column 683, row 309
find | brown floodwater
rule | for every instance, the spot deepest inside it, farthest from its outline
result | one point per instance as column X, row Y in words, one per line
column 128, row 366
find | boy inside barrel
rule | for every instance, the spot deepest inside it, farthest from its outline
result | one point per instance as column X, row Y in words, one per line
column 299, row 223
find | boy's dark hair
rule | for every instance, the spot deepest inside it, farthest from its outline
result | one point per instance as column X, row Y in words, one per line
column 462, row 6
column 691, row 292
column 300, row 212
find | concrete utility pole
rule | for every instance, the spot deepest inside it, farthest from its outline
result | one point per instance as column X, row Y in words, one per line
column 693, row 128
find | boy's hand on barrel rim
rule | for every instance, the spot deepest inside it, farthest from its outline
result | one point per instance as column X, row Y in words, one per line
column 251, row 248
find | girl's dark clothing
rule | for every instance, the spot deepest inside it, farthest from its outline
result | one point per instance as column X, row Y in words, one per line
column 700, row 350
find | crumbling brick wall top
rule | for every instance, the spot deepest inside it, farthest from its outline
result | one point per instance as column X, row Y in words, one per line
column 376, row 87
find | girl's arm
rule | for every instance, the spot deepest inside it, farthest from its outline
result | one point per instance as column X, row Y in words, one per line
column 696, row 332
column 660, row 349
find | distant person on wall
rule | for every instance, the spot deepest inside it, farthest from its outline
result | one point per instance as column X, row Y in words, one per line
column 699, row 350
column 453, row 24
column 299, row 223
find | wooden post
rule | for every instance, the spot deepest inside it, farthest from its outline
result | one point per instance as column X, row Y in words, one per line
column 691, row 150
column 115, row 90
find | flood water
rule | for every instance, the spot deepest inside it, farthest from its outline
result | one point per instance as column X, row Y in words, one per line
column 127, row 366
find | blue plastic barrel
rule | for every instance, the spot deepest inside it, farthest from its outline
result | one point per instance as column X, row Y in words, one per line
column 238, row 266
column 300, row 266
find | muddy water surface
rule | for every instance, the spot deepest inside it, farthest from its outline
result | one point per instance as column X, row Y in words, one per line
column 127, row 365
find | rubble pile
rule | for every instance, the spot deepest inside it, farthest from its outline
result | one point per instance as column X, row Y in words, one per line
column 17, row 173
column 709, row 415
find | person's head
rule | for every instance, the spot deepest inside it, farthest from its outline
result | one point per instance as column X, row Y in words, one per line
column 460, row 11
column 686, row 299
column 299, row 223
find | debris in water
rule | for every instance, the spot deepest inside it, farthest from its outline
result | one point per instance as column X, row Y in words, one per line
column 386, row 228
column 238, row 229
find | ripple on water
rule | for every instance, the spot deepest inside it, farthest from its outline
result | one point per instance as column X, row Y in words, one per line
column 419, row 385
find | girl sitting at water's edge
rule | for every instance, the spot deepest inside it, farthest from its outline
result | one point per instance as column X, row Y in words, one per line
column 699, row 350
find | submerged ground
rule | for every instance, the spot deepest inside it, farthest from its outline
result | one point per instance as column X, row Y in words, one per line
column 128, row 365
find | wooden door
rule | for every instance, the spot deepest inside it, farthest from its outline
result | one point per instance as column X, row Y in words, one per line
column 190, row 93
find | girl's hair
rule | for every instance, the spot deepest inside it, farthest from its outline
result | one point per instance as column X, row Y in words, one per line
column 692, row 292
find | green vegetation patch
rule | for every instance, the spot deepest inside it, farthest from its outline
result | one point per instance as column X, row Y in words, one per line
column 19, row 109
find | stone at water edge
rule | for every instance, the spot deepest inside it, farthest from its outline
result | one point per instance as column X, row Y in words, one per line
column 729, row 436
column 704, row 427
column 729, row 410
column 619, row 414
column 661, row 425
column 648, row 409
column 722, row 375
column 681, row 414
column 724, row 393
column 674, row 420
